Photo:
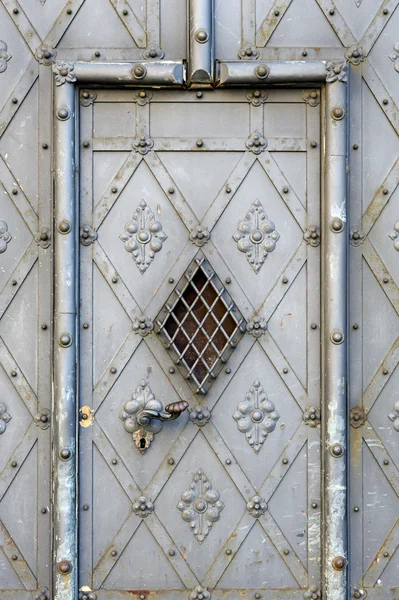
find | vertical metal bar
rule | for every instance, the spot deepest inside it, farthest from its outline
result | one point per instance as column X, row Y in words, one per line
column 64, row 422
column 200, row 42
column 334, row 251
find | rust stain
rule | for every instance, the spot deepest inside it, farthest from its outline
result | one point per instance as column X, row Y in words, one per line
column 282, row 324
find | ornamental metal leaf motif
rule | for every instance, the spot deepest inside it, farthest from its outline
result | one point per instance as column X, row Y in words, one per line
column 200, row 593
column 142, row 398
column 336, row 71
column 143, row 236
column 5, row 237
column 5, row 56
column 4, row 417
column 256, row 416
column 394, row 235
column 200, row 506
column 395, row 56
column 64, row 72
column 256, row 236
column 394, row 416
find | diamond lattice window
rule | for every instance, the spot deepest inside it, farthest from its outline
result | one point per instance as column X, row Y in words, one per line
column 200, row 325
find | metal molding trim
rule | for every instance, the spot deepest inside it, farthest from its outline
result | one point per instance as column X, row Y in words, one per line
column 64, row 424
column 200, row 38
column 334, row 369
column 237, row 73
column 144, row 73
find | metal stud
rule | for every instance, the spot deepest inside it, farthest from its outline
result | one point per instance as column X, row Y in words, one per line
column 14, row 464
column 313, row 144
column 13, row 373
column 63, row 113
column 385, row 11
column 199, row 94
column 385, row 191
column 65, row 453
column 199, row 143
column 355, row 326
column 356, row 509
column 339, row 562
column 15, row 11
column 262, row 71
column 85, row 326
column 113, row 370
column 44, row 326
column 14, row 100
column 171, row 461
column 171, row 190
column 336, row 225
column 14, row 282
column 114, row 553
column 385, row 101
column 45, row 146
column 43, row 510
column 69, row 11
column 314, row 504
column 285, row 280
column 14, row 557
column 229, row 552
column 285, row 370
column 14, row 191
column 139, row 71
column 337, row 113
column 286, row 551
column 313, row 326
column 227, row 371
column 64, row 226
column 65, row 340
column 64, row 567
column 386, row 461
column 202, row 36
column 228, row 461
column 337, row 337
column 355, row 146
column 86, row 144
column 337, row 450
column 276, row 13
column 285, row 461
column 125, row 12
column 114, row 280
column 85, row 507
column 171, row 370
column 385, row 371
column 386, row 554
column 386, row 280
column 114, row 461
column 171, row 552
column 97, row 53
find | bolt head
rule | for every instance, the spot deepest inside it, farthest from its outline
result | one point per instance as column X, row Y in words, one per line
column 139, row 71
column 337, row 450
column 337, row 225
column 337, row 337
column 339, row 562
column 64, row 226
column 65, row 340
column 63, row 113
column 65, row 453
column 64, row 567
column 262, row 71
column 202, row 36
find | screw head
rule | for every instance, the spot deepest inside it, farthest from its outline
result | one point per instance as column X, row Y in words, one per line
column 114, row 553
column 171, row 552
column 43, row 510
column 44, row 326
column 14, row 557
column 385, row 371
column 69, row 11
column 331, row 11
column 385, row 101
column 385, row 11
column 14, row 191
column 13, row 373
column 64, row 567
column 385, row 191
column 286, row 551
column 113, row 370
column 14, row 282
column 313, row 144
column 199, row 94
column 227, row 371
column 114, row 280
column 285, row 461
column 386, row 280
column 285, row 190
column 386, row 554
column 355, row 326
column 228, row 461
column 171, row 190
column 276, row 13
column 15, row 11
column 285, row 370
column 65, row 453
column 386, row 461
column 355, row 146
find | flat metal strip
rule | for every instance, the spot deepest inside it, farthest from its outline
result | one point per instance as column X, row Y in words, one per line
column 200, row 28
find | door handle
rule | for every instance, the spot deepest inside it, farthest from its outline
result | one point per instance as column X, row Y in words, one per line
column 171, row 413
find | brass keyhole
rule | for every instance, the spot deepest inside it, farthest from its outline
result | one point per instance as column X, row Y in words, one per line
column 142, row 442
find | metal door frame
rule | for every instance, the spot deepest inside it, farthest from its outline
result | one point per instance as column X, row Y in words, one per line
column 202, row 71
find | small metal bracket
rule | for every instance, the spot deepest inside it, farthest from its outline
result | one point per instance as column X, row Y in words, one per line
column 358, row 416
column 86, row 416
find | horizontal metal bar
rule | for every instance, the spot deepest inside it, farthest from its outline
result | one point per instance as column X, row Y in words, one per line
column 167, row 144
column 140, row 74
column 259, row 73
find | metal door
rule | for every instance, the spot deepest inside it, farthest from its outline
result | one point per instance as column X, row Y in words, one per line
column 200, row 283
column 117, row 70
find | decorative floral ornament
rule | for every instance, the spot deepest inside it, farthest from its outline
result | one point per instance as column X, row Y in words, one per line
column 142, row 144
column 394, row 235
column 256, row 236
column 395, row 56
column 45, row 54
column 356, row 236
column 199, row 235
column 248, row 52
column 312, row 236
column 355, row 54
column 43, row 594
column 5, row 56
column 199, row 593
column 143, row 326
column 312, row 416
column 143, row 236
column 256, row 143
column 313, row 593
column 257, row 326
column 142, row 398
column 200, row 506
column 394, row 416
column 153, row 52
column 336, row 71
column 87, row 593
column 200, row 415
column 64, row 72
column 4, row 417
column 5, row 237
column 143, row 507
column 256, row 506
column 256, row 97
column 256, row 416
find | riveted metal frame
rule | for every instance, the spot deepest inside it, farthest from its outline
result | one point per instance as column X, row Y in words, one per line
column 334, row 290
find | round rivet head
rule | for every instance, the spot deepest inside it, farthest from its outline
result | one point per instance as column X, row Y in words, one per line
column 336, row 225
column 385, row 191
column 386, row 554
column 199, row 143
column 85, row 507
column 257, row 595
column 14, row 282
column 171, row 190
column 337, row 113
column 14, row 191
column 331, row 11
column 44, row 326
column 69, row 11
column 199, row 94
column 285, row 370
column 125, row 12
column 313, row 144
column 314, row 504
column 202, row 36
column 228, row 551
column 313, row 326
column 286, row 551
column 14, row 464
column 356, row 509
column 15, row 11
column 13, row 373
column 338, row 563
column 385, row 371
column 228, row 461
column 385, row 101
column 262, row 71
column 139, row 71
column 64, row 226
column 86, row 144
column 285, row 461
column 114, row 461
column 63, row 113
column 14, row 557
column 355, row 326
column 355, row 146
column 228, row 280
column 64, row 567
column 45, row 146
column 65, row 340
column 43, row 510
column 385, row 11
column 337, row 450
column 65, row 453
column 171, row 552
column 171, row 461
column 113, row 370
column 386, row 461
column 15, row 100
column 85, row 326
column 304, row 53
column 285, row 280
column 337, row 337
column 114, row 553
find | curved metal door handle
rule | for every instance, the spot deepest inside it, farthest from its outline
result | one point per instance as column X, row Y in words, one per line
column 171, row 413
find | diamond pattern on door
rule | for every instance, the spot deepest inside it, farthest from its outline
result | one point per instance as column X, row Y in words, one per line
column 208, row 342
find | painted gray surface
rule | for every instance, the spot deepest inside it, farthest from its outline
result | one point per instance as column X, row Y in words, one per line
column 302, row 30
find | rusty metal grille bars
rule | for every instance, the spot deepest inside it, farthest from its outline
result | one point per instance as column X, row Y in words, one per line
column 172, row 75
column 200, row 325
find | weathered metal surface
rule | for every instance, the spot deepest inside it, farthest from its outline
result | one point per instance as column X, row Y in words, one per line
column 143, row 44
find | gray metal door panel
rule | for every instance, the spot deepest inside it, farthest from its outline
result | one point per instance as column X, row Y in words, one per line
column 32, row 36
column 145, row 544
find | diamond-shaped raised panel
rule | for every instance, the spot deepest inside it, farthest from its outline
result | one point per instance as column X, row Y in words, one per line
column 358, row 14
column 43, row 15
column 141, row 365
column 200, row 177
column 379, row 416
column 379, row 57
column 200, row 555
column 20, row 238
column 18, row 509
column 20, row 417
column 134, row 570
column 20, row 55
column 111, row 324
column 18, row 146
column 19, row 327
column 294, row 30
column 108, row 517
column 256, row 366
column 288, row 505
column 200, row 325
column 257, row 565
column 378, row 499
column 97, row 25
column 287, row 326
column 378, row 334
column 257, row 186
column 379, row 236
column 142, row 187
column 379, row 140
